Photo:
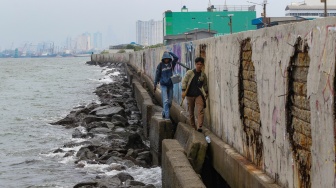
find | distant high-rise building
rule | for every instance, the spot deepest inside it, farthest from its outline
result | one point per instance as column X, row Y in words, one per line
column 149, row 32
column 68, row 43
column 83, row 42
column 98, row 40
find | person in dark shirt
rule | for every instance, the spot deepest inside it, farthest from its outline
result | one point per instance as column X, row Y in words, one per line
column 195, row 88
column 163, row 73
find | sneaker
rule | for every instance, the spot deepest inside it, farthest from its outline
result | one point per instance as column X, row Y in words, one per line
column 199, row 130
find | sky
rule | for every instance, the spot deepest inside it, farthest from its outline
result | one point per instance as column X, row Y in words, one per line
column 33, row 21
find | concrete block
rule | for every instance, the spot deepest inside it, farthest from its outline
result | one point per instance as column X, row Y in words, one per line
column 196, row 150
column 175, row 111
column 129, row 75
column 141, row 95
column 184, row 117
column 178, row 172
column 193, row 143
column 160, row 129
column 146, row 117
column 149, row 111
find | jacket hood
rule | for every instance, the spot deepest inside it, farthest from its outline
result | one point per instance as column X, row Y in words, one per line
column 166, row 56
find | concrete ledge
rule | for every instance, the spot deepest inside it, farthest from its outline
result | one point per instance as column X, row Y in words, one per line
column 129, row 74
column 234, row 168
column 141, row 95
column 194, row 145
column 176, row 169
column 160, row 129
column 148, row 111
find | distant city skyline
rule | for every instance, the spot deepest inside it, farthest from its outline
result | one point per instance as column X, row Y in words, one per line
column 36, row 21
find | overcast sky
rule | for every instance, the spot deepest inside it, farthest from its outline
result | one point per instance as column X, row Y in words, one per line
column 53, row 20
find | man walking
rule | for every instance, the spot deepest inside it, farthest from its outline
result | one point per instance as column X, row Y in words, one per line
column 195, row 87
column 163, row 73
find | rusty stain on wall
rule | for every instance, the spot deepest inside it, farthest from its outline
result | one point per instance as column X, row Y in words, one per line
column 298, row 113
column 249, row 106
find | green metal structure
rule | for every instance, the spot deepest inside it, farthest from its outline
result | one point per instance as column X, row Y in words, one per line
column 180, row 22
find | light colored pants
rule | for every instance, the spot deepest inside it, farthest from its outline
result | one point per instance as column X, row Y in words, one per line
column 167, row 98
column 199, row 103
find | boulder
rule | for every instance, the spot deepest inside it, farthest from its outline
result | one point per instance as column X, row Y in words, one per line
column 59, row 150
column 113, row 159
column 132, row 153
column 69, row 153
column 134, row 183
column 84, row 154
column 86, row 185
column 108, row 124
column 96, row 125
column 135, row 141
column 110, row 111
column 100, row 130
column 98, row 108
column 123, row 176
column 145, row 156
column 79, row 132
column 129, row 163
column 119, row 118
column 92, row 118
column 75, row 144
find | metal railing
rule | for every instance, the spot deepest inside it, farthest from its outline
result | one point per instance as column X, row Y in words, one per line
column 234, row 8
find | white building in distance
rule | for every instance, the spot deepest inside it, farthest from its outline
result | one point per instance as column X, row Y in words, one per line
column 311, row 8
column 149, row 32
column 97, row 40
column 83, row 42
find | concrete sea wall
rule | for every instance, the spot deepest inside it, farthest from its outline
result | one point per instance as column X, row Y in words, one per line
column 271, row 99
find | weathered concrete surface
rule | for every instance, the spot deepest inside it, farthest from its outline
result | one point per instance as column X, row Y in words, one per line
column 160, row 129
column 113, row 58
column 177, row 171
column 141, row 95
column 194, row 145
column 272, row 51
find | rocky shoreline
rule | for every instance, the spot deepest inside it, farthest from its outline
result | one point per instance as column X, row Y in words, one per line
column 112, row 133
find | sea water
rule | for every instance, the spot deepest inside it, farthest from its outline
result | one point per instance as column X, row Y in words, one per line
column 34, row 93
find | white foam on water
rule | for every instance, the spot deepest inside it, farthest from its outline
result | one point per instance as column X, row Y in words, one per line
column 106, row 80
column 68, row 160
column 115, row 73
column 146, row 175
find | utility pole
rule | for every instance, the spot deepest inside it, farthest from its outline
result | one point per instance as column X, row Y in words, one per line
column 230, row 16
column 325, row 8
column 265, row 22
column 209, row 28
